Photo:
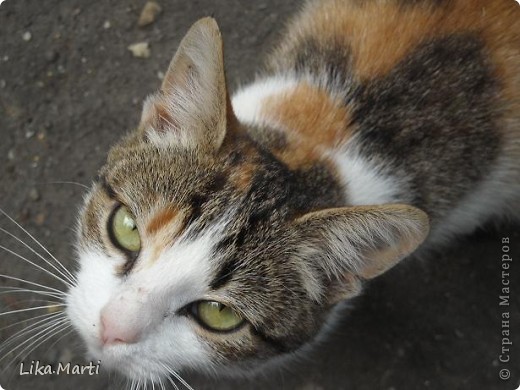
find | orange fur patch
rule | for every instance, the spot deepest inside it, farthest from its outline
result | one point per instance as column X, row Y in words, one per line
column 502, row 36
column 311, row 112
column 162, row 230
column 160, row 220
column 242, row 177
column 311, row 117
column 298, row 157
column 381, row 33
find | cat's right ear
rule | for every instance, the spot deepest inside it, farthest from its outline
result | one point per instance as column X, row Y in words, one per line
column 347, row 245
column 191, row 109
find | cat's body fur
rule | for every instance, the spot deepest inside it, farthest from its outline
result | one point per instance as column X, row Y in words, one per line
column 428, row 117
column 280, row 205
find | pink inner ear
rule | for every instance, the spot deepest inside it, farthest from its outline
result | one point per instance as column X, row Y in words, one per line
column 179, row 77
column 156, row 115
column 190, row 109
column 163, row 121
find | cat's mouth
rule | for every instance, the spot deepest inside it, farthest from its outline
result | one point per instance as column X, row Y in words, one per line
column 129, row 361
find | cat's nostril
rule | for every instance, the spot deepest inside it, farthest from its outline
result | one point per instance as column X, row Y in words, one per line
column 114, row 332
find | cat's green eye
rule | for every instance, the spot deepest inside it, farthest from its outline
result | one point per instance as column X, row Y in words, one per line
column 123, row 229
column 217, row 316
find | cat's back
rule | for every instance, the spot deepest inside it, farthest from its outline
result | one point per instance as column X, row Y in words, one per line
column 428, row 91
column 349, row 44
column 370, row 38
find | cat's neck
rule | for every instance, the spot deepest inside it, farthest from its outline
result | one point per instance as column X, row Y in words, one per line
column 303, row 124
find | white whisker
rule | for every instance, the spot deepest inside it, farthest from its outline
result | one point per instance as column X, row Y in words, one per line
column 33, row 283
column 30, row 309
column 44, row 324
column 31, row 301
column 177, row 376
column 69, row 182
column 173, row 383
column 29, row 319
column 31, row 328
column 59, row 338
column 69, row 277
column 36, row 265
column 37, row 242
column 49, row 333
column 40, row 329
column 14, row 290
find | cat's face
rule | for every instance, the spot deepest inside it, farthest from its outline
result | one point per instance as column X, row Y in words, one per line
column 197, row 248
column 209, row 228
column 197, row 238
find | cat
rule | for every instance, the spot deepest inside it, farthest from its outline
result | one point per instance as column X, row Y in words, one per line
column 222, row 232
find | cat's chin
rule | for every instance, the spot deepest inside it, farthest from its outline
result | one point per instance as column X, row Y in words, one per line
column 127, row 361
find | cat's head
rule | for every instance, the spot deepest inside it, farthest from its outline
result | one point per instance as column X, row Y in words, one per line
column 198, row 249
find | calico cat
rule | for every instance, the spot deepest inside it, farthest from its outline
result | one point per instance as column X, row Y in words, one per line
column 223, row 231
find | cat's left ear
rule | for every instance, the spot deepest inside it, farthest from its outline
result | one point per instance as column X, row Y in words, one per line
column 191, row 109
column 350, row 244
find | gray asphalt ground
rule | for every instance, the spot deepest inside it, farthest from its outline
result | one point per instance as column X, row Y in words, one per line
column 69, row 88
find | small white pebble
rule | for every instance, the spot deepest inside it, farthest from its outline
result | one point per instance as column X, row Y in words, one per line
column 160, row 75
column 27, row 36
column 6, row 58
column 2, row 83
column 83, row 60
column 149, row 13
column 29, row 134
column 107, row 24
column 34, row 195
column 140, row 49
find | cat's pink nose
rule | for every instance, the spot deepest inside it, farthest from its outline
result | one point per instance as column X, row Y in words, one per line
column 114, row 331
